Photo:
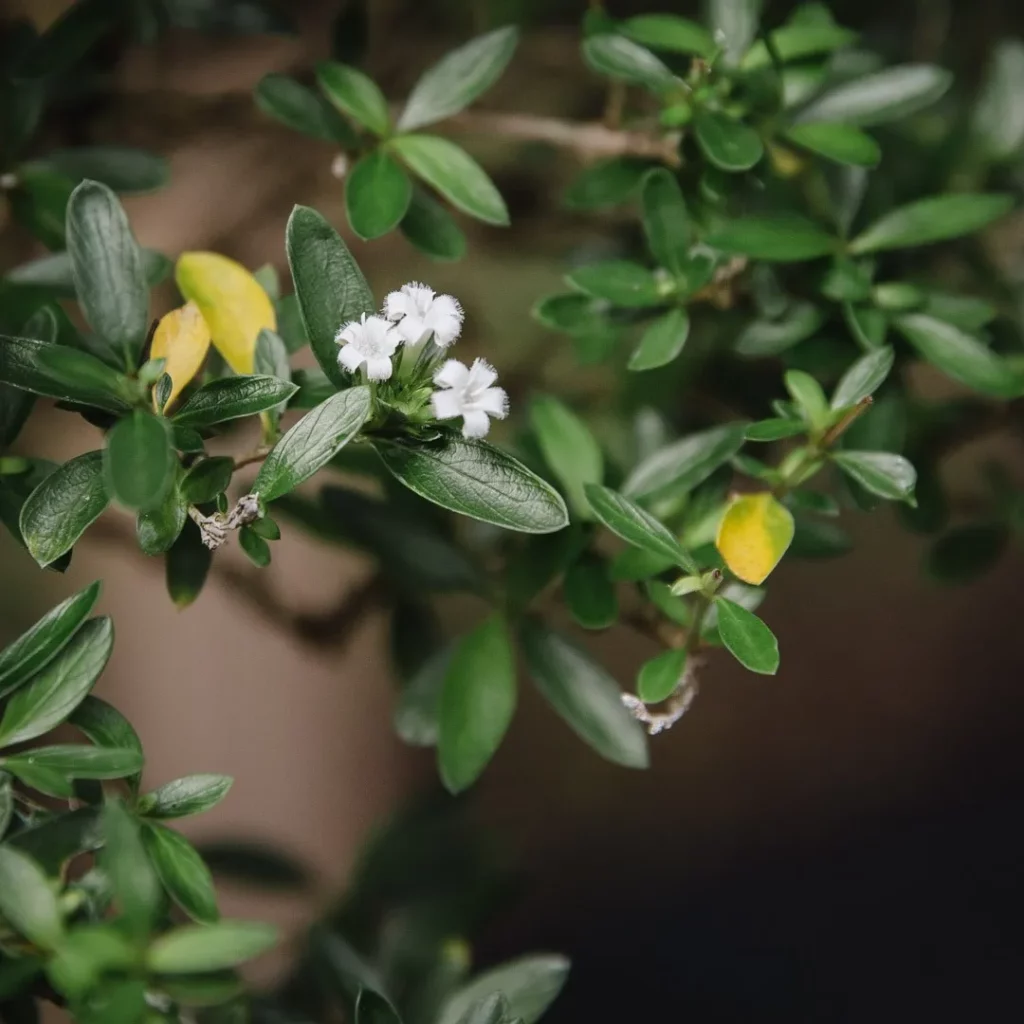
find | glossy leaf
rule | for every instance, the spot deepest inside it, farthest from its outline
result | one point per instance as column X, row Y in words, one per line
column 784, row 238
column 585, row 696
column 621, row 58
column 659, row 677
column 753, row 535
column 182, row 872
column 605, row 183
column 796, row 41
column 38, row 645
column 774, row 429
column 997, row 122
column 669, row 32
column 107, row 727
column 200, row 948
column 530, row 985
column 932, row 220
column 666, row 219
column 569, row 448
column 961, row 356
column 187, row 566
column 107, row 268
column 864, row 378
column 733, row 25
column 232, row 302
column 139, row 461
column 620, row 282
column 156, row 529
column 79, row 761
column 312, row 442
column 301, row 109
column 883, row 473
column 636, row 526
column 728, row 144
column 183, row 797
column 451, row 171
column 377, row 195
column 460, row 77
column 810, row 400
column 182, row 338
column 121, row 168
column 478, row 480
column 26, row 899
column 431, row 228
column 60, row 686
column 878, row 98
column 662, row 341
column 843, row 143
column 63, row 506
column 330, row 287
column 763, row 337
column 126, row 864
column 747, row 638
column 590, row 594
column 478, row 699
column 53, row 272
column 231, row 398
column 356, row 94
column 207, row 478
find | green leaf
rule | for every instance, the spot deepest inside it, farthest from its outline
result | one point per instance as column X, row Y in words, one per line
column 478, row 480
column 450, row 170
column 459, row 78
column 773, row 337
column 997, row 122
column 797, row 41
column 666, row 220
column 107, row 268
column 156, row 529
column 783, row 238
column 83, row 957
column 6, row 810
column 373, row 1008
column 590, row 594
column 430, row 228
column 733, row 25
column 883, row 473
column 669, row 32
column 585, row 696
column 662, row 341
column 659, row 677
column 478, row 700
column 312, row 442
column 26, row 899
column 809, row 397
column 60, row 509
column 878, row 98
column 136, row 887
column 571, row 312
column 53, row 842
column 961, row 356
column 231, row 398
column 355, row 94
column 747, row 638
column 79, row 761
column 636, row 526
column 107, row 727
column 202, row 948
column 182, row 872
column 207, row 478
column 966, row 553
column 619, row 282
column 38, row 646
column 864, row 378
column 728, row 144
column 53, row 272
column 568, row 447
column 301, row 109
column 621, row 58
column 186, row 796
column 605, row 183
column 60, row 372
column 46, row 780
column 66, row 40
column 60, row 686
column 377, row 195
column 867, row 324
column 187, row 566
column 932, row 220
column 963, row 311
column 254, row 546
column 330, row 287
column 774, row 429
column 139, row 461
column 417, row 712
column 842, row 143
column 121, row 168
column 684, row 464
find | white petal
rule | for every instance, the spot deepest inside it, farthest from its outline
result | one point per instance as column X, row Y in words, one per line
column 482, row 375
column 493, row 401
column 410, row 328
column 388, row 341
column 420, row 295
column 350, row 358
column 397, row 305
column 475, row 424
column 378, row 368
column 445, row 319
column 349, row 332
column 452, row 375
column 447, row 404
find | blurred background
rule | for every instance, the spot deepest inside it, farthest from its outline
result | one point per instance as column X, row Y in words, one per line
column 839, row 843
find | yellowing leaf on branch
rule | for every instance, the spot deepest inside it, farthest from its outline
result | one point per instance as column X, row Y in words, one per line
column 753, row 535
column 232, row 302
column 183, row 339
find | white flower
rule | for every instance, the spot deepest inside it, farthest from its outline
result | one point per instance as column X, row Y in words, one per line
column 417, row 310
column 371, row 340
column 469, row 394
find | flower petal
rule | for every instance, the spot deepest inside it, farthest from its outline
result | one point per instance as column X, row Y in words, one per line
column 378, row 368
column 475, row 423
column 410, row 328
column 445, row 319
column 452, row 375
column 397, row 305
column 447, row 404
column 350, row 358
column 493, row 401
column 482, row 375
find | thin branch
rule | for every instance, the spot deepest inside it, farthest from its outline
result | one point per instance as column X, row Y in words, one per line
column 256, row 455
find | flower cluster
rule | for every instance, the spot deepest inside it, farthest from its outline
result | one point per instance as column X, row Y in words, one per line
column 427, row 323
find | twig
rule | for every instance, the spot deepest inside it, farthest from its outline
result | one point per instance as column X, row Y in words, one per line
column 256, row 455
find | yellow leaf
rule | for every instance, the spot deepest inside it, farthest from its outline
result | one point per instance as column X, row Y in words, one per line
column 232, row 302
column 753, row 535
column 182, row 338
